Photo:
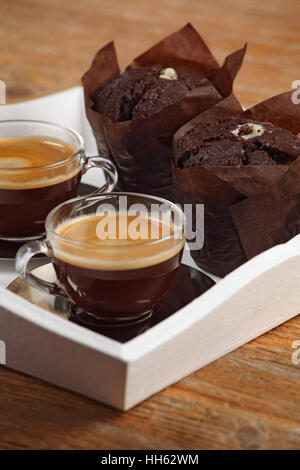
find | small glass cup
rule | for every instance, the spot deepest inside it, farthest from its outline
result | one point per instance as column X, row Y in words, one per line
column 25, row 205
column 112, row 281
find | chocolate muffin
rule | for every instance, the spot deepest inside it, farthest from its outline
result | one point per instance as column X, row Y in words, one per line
column 236, row 142
column 141, row 92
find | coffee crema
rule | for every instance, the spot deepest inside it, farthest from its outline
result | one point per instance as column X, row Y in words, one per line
column 116, row 242
column 23, row 161
column 36, row 174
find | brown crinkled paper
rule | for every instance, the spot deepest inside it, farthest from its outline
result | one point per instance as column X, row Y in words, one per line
column 141, row 148
column 247, row 209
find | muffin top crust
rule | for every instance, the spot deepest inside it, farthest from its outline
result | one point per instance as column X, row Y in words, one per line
column 236, row 142
column 141, row 92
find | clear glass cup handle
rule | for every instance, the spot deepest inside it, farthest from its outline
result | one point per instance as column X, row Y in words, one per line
column 24, row 255
column 108, row 168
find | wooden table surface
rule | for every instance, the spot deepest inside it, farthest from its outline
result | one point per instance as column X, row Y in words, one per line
column 249, row 399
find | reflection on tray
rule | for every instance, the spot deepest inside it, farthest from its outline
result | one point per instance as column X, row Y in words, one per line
column 188, row 285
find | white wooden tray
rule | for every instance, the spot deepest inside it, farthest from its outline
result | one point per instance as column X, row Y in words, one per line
column 254, row 298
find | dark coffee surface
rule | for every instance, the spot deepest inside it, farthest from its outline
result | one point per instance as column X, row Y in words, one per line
column 8, row 250
column 23, row 211
column 187, row 286
column 141, row 92
column 117, row 294
column 236, row 142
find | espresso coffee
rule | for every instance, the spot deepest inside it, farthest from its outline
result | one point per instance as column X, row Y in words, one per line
column 28, row 152
column 35, row 176
column 118, row 267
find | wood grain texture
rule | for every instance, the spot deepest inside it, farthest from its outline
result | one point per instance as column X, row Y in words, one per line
column 249, row 399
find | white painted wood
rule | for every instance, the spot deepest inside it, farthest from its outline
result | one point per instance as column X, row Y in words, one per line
column 249, row 302
column 256, row 297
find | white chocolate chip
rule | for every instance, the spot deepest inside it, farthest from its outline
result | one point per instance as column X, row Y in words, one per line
column 168, row 74
column 257, row 129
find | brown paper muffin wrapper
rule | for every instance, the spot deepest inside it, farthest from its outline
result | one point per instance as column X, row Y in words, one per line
column 247, row 209
column 141, row 148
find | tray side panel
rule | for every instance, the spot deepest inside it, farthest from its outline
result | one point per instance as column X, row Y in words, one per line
column 265, row 302
column 40, row 353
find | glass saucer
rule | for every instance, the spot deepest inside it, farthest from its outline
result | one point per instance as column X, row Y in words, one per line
column 188, row 285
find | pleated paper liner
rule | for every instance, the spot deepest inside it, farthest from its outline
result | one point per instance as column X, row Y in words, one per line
column 141, row 148
column 248, row 209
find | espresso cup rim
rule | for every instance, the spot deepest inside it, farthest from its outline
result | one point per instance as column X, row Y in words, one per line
column 47, row 165
column 50, row 230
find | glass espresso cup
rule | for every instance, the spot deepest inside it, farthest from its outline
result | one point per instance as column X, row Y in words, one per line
column 30, row 190
column 114, row 255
